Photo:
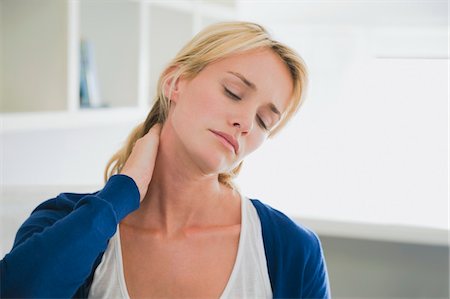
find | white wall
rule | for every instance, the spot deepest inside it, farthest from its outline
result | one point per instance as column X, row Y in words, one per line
column 371, row 142
column 55, row 157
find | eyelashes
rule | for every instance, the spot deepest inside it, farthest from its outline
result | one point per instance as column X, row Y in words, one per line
column 236, row 98
column 261, row 123
column 232, row 95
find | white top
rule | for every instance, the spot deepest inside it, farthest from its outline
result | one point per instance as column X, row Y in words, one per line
column 249, row 278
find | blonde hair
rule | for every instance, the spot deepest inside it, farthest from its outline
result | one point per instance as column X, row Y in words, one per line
column 212, row 43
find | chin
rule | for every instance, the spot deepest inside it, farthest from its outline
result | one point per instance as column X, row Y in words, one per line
column 209, row 155
column 212, row 161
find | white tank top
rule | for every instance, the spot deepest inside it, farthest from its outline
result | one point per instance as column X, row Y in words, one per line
column 249, row 277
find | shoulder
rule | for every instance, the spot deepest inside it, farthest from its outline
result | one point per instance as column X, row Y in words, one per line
column 62, row 204
column 277, row 225
column 120, row 194
column 47, row 213
column 294, row 256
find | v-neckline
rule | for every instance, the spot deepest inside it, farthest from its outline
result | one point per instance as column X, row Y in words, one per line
column 237, row 262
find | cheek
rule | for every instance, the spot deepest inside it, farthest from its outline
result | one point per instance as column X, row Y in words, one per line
column 209, row 102
column 195, row 105
column 197, row 109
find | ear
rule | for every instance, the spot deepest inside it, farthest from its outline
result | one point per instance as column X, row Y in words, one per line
column 169, row 73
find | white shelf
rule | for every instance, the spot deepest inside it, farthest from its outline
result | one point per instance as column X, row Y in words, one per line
column 128, row 63
column 377, row 232
column 25, row 121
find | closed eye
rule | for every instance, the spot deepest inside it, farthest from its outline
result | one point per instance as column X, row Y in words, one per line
column 261, row 122
column 232, row 95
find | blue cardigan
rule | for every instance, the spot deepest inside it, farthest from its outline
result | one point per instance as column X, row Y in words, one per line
column 57, row 249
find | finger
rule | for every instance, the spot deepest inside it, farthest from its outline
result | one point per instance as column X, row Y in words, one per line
column 154, row 130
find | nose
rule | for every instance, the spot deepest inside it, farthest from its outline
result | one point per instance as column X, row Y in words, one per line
column 243, row 124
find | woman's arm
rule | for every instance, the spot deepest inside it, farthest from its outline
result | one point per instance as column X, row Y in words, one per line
column 58, row 244
column 316, row 281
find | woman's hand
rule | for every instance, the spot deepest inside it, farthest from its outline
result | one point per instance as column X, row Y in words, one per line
column 141, row 162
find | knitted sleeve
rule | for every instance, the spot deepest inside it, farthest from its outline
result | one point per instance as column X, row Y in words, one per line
column 315, row 281
column 56, row 247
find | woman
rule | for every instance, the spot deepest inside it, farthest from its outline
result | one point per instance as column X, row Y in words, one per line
column 169, row 222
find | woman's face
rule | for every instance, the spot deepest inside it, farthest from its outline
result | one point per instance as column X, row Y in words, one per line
column 242, row 96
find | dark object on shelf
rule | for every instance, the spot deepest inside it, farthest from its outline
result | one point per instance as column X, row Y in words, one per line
column 89, row 89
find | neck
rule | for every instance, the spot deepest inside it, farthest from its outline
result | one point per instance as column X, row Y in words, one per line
column 180, row 196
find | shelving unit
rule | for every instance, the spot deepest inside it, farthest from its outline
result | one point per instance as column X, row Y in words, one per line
column 132, row 41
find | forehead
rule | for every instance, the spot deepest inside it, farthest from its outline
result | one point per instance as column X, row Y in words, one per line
column 262, row 67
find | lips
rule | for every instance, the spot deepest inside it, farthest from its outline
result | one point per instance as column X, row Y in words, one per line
column 231, row 140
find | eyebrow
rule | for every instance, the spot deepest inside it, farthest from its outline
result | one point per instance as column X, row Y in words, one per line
column 240, row 76
column 252, row 85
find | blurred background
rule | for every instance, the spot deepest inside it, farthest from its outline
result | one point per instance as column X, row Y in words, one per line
column 364, row 163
